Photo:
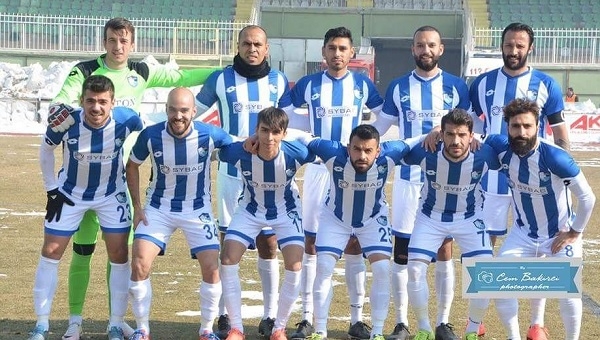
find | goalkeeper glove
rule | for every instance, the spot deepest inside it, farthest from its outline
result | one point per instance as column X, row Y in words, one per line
column 54, row 205
column 60, row 117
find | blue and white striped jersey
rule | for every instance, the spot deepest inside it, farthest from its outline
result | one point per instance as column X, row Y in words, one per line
column 494, row 89
column 540, row 183
column 93, row 158
column 353, row 197
column 270, row 188
column 334, row 105
column 239, row 100
column 450, row 192
column 180, row 166
column 417, row 105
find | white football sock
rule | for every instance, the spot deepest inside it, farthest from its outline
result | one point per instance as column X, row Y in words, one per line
column 399, row 282
column 140, row 293
column 44, row 288
column 379, row 295
column 119, row 290
column 307, row 281
column 571, row 311
column 508, row 311
column 232, row 293
column 538, row 309
column 444, row 288
column 356, row 273
column 418, row 293
column 323, row 291
column 210, row 294
column 268, row 270
column 290, row 288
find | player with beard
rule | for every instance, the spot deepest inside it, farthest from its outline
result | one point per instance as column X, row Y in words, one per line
column 241, row 91
column 545, row 222
column 416, row 103
column 450, row 205
column 355, row 206
column 489, row 93
column 178, row 197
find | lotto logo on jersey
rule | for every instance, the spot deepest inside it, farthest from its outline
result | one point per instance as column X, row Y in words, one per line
column 250, row 107
column 95, row 157
column 404, row 99
column 424, row 115
column 335, row 111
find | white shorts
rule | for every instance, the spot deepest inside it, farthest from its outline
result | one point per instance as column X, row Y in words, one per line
column 495, row 212
column 244, row 228
column 428, row 236
column 198, row 227
column 518, row 244
column 113, row 213
column 406, row 198
column 314, row 194
column 374, row 237
column 229, row 192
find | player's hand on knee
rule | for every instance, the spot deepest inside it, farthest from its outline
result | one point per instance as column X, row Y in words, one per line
column 60, row 117
column 54, row 204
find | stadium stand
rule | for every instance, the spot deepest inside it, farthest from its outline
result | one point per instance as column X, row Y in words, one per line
column 545, row 13
column 210, row 10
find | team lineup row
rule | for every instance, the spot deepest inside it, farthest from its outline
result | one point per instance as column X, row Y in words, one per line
column 346, row 180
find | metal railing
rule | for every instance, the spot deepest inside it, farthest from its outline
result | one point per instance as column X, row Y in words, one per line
column 551, row 46
column 153, row 36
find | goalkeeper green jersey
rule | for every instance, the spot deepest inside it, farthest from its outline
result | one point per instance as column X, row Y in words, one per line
column 131, row 81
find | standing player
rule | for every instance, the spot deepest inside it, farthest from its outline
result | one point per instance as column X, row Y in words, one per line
column 545, row 222
column 241, row 91
column 270, row 198
column 489, row 93
column 335, row 99
column 355, row 206
column 92, row 178
column 131, row 79
column 416, row 102
column 178, row 197
column 450, row 205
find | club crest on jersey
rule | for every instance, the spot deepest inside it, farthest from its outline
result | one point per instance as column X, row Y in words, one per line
column 202, row 152
column 404, row 99
column 290, row 172
column 531, row 95
column 511, row 184
column 475, row 175
column 273, row 88
column 496, row 110
column 436, row 185
column 544, row 177
column 253, row 184
column 338, row 168
column 132, row 80
column 158, row 154
column 320, row 111
column 479, row 224
column 382, row 168
column 72, row 141
column 358, row 94
column 78, row 156
column 164, row 169
column 230, row 89
column 118, row 142
column 293, row 215
column 237, row 107
column 447, row 98
column 205, row 218
column 382, row 220
column 121, row 197
column 315, row 96
column 343, row 184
